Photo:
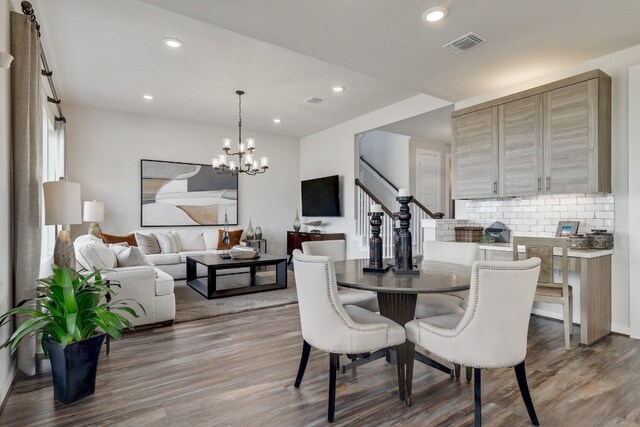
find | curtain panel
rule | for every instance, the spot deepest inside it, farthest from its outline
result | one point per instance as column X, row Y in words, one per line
column 26, row 145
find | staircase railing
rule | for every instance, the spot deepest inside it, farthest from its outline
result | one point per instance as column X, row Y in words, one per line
column 364, row 200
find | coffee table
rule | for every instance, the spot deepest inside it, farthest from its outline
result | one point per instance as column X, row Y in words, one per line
column 236, row 283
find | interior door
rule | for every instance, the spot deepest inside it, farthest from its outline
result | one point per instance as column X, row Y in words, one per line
column 428, row 179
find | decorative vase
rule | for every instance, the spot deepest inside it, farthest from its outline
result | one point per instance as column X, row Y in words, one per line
column 249, row 234
column 296, row 223
column 74, row 368
column 258, row 232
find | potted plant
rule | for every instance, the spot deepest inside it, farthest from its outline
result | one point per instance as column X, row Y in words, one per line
column 73, row 312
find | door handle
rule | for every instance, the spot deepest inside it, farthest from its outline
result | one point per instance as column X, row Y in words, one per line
column 539, row 183
column 548, row 183
column 495, row 187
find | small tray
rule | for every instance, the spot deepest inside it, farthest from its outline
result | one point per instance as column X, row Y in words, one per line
column 244, row 254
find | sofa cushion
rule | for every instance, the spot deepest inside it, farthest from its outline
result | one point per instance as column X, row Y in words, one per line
column 148, row 243
column 210, row 238
column 191, row 240
column 185, row 254
column 112, row 238
column 129, row 256
column 168, row 241
column 164, row 283
column 164, row 259
column 95, row 255
column 234, row 238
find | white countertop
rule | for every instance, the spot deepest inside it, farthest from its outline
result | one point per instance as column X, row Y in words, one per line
column 587, row 253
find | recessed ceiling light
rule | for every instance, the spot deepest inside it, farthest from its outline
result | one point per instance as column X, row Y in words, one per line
column 276, row 120
column 171, row 42
column 338, row 89
column 147, row 97
column 435, row 14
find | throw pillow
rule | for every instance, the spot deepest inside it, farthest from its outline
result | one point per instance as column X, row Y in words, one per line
column 86, row 239
column 130, row 256
column 148, row 243
column 168, row 241
column 191, row 240
column 112, row 238
column 234, row 239
column 95, row 256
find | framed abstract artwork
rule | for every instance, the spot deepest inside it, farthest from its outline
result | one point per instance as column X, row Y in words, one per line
column 182, row 194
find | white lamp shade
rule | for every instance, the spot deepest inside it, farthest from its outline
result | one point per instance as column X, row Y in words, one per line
column 62, row 203
column 93, row 211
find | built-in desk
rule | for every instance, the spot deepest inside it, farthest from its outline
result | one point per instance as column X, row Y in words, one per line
column 593, row 267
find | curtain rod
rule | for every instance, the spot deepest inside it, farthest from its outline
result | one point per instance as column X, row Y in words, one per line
column 27, row 9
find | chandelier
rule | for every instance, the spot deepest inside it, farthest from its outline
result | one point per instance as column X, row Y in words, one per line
column 245, row 163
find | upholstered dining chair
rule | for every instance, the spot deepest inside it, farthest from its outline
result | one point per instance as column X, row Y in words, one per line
column 548, row 290
column 329, row 326
column 492, row 332
column 431, row 305
column 337, row 251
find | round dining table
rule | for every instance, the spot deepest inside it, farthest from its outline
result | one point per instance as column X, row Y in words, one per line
column 397, row 296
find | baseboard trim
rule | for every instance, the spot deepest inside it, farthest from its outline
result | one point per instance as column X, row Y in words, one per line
column 7, row 387
column 616, row 328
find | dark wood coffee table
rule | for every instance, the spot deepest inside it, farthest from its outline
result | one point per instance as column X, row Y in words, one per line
column 234, row 284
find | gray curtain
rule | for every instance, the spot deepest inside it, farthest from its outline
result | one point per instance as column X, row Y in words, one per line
column 26, row 143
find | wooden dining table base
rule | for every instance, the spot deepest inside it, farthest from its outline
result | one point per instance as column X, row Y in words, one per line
column 401, row 308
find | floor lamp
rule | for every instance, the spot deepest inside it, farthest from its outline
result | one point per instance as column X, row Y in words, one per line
column 93, row 212
column 62, row 206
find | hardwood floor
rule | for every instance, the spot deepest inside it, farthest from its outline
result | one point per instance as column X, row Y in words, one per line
column 238, row 370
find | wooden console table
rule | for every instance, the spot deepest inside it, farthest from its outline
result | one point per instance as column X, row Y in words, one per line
column 296, row 238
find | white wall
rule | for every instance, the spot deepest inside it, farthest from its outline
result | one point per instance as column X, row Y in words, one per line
column 623, row 160
column 6, row 294
column 104, row 151
column 333, row 151
column 388, row 153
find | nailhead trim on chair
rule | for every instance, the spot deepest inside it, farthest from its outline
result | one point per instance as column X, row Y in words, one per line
column 346, row 323
column 457, row 331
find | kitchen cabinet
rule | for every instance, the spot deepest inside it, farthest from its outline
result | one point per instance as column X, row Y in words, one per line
column 554, row 139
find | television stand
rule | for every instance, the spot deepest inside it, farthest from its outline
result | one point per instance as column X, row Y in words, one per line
column 296, row 238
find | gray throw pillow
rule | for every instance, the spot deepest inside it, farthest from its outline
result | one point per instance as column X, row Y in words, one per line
column 148, row 243
column 130, row 256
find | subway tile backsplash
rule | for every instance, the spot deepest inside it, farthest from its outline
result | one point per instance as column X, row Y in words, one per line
column 539, row 216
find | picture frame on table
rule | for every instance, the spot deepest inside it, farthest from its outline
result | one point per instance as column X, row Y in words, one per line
column 567, row 228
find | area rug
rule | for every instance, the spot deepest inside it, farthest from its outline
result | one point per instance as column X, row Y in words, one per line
column 190, row 305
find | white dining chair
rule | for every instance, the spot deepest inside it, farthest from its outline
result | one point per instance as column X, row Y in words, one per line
column 492, row 332
column 337, row 251
column 431, row 305
column 328, row 326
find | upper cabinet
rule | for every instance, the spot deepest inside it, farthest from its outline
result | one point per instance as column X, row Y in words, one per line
column 552, row 139
column 476, row 154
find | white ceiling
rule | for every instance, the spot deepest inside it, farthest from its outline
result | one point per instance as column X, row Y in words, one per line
column 388, row 39
column 433, row 126
column 108, row 53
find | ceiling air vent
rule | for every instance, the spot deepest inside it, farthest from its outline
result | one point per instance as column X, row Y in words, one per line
column 313, row 100
column 466, row 42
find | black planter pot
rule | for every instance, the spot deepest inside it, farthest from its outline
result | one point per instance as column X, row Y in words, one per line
column 74, row 368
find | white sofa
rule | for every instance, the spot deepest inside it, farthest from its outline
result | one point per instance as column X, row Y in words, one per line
column 146, row 284
column 192, row 242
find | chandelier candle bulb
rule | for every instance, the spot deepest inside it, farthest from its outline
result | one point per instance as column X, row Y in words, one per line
column 404, row 192
column 255, row 165
column 242, row 149
column 249, row 160
column 376, row 208
column 222, row 159
column 232, row 165
column 264, row 162
column 251, row 144
column 226, row 143
column 215, row 163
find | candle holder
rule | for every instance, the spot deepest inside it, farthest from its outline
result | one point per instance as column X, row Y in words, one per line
column 376, row 265
column 404, row 255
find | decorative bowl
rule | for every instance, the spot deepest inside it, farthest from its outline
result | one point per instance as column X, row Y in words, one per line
column 600, row 239
column 244, row 254
column 579, row 242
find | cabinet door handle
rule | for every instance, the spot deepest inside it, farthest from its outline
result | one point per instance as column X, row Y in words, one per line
column 539, row 183
column 548, row 183
column 495, row 187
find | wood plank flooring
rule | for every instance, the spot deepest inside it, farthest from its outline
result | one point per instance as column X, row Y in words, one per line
column 238, row 370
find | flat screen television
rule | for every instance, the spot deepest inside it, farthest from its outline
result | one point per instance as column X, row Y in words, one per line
column 321, row 196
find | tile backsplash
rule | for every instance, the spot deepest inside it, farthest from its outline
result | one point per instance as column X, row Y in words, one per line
column 539, row 215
